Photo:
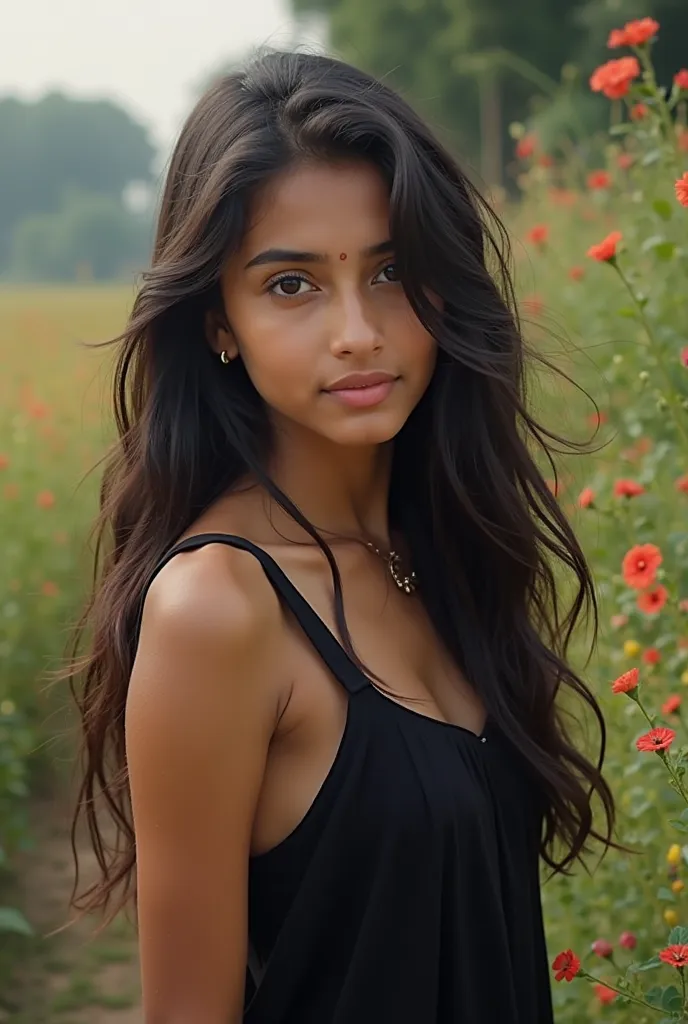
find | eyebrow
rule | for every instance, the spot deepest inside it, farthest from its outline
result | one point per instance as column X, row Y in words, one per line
column 295, row 256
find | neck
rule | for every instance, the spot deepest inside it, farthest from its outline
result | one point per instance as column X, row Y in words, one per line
column 342, row 491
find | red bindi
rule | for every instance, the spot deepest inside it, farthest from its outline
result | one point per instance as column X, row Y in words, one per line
column 342, row 255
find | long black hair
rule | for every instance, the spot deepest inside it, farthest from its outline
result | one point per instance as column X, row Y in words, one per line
column 466, row 491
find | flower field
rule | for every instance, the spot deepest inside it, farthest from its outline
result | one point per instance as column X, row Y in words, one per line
column 601, row 251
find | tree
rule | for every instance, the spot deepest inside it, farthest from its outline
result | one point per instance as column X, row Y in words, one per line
column 91, row 237
column 474, row 66
column 58, row 143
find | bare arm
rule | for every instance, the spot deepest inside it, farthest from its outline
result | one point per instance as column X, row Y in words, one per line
column 200, row 714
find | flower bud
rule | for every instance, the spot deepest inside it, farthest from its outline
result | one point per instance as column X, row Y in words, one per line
column 631, row 648
column 628, row 940
column 674, row 854
column 677, row 886
column 670, row 917
column 643, row 376
column 602, row 948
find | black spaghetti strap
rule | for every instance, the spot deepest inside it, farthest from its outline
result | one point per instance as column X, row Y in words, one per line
column 323, row 639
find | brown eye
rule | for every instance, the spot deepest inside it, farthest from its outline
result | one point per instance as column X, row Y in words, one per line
column 386, row 269
column 289, row 284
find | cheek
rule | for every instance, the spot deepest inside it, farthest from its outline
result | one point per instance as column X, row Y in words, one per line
column 279, row 358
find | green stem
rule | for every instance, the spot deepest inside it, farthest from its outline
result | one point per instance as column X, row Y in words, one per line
column 677, row 781
column 643, row 53
column 683, row 990
column 657, row 350
column 621, row 992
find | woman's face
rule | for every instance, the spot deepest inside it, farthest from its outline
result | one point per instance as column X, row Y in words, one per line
column 326, row 305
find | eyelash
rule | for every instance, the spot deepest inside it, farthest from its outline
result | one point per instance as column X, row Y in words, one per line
column 294, row 276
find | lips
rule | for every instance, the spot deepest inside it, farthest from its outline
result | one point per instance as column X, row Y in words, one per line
column 361, row 380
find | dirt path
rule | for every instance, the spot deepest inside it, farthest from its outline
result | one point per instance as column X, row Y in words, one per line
column 70, row 978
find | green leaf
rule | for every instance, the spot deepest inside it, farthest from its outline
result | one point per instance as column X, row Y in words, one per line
column 671, row 999
column 678, row 936
column 665, row 251
column 646, row 965
column 627, row 311
column 680, row 826
column 12, row 920
column 652, row 157
column 663, row 208
column 665, row 894
column 621, row 129
column 654, row 995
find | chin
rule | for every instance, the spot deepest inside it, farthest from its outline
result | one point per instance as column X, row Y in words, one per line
column 368, row 430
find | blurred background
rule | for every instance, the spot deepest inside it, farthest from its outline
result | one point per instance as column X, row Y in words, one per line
column 92, row 97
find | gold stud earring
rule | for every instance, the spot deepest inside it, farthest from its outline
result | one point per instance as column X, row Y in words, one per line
column 224, row 358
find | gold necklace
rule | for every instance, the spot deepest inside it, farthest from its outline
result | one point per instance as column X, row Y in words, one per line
column 406, row 583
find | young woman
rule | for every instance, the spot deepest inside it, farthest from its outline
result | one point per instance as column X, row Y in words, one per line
column 327, row 640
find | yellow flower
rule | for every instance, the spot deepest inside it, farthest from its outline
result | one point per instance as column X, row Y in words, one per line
column 7, row 707
column 674, row 854
column 684, row 678
column 677, row 886
column 671, row 917
column 632, row 648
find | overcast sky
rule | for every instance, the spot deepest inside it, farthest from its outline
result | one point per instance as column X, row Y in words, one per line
column 147, row 54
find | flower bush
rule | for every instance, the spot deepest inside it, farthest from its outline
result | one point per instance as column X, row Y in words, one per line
column 611, row 270
column 51, row 434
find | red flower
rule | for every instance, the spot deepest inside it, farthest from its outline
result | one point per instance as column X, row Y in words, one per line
column 652, row 656
column 656, row 739
column 545, row 160
column 4, row 462
column 683, row 140
column 534, row 304
column 634, row 33
column 46, row 499
column 617, row 37
column 605, row 250
column 604, row 993
column 683, row 605
column 641, row 31
column 538, row 234
column 614, row 78
column 671, row 705
column 599, row 179
column 627, row 489
column 638, row 111
column 675, row 956
column 681, row 78
column 640, row 565
column 602, row 948
column 566, row 965
column 618, row 621
column 682, row 484
column 626, row 683
column 652, row 601
column 625, row 160
column 684, row 354
column 681, row 187
column 50, row 589
column 586, row 497
column 525, row 147
column 576, row 273
column 628, row 940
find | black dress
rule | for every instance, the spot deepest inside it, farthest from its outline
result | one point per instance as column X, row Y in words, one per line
column 409, row 893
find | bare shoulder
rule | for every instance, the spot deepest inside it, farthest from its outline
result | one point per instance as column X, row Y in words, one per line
column 202, row 707
column 210, row 590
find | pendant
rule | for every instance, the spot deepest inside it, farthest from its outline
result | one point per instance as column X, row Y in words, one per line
column 406, row 583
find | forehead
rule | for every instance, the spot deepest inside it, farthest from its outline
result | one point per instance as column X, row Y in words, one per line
column 320, row 206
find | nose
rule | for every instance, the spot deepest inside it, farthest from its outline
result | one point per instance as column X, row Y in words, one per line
column 354, row 331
